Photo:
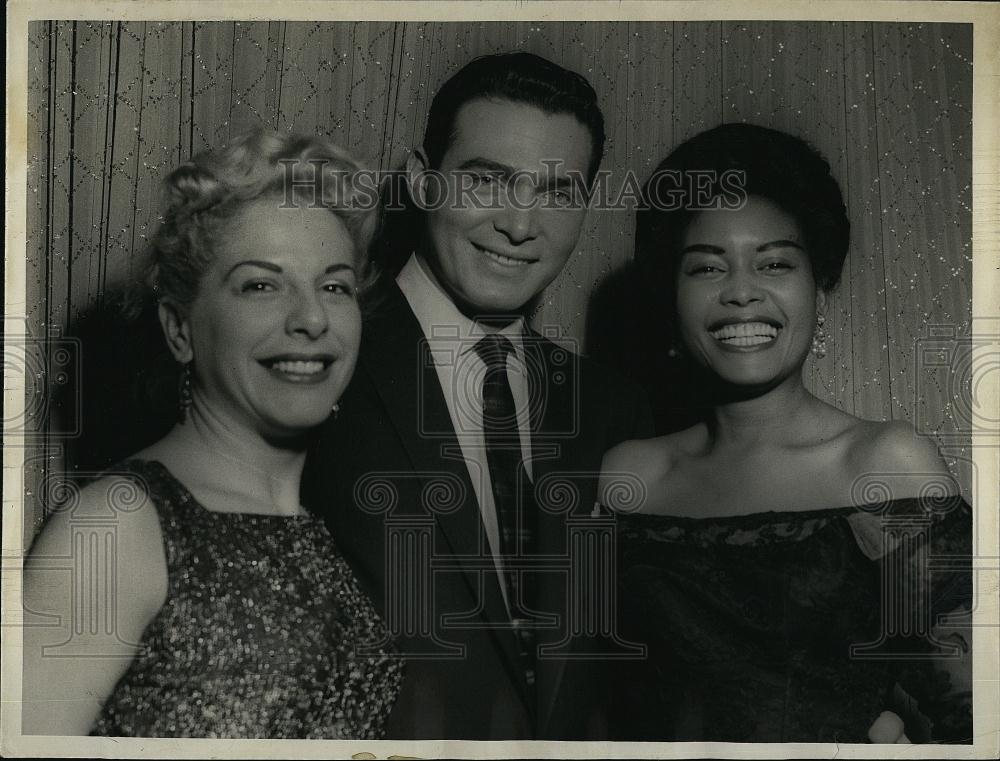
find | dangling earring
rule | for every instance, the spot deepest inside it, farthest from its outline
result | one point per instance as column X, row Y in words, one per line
column 184, row 393
column 819, row 337
column 676, row 349
column 336, row 410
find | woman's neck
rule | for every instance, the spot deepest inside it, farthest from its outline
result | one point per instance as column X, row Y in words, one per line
column 211, row 452
column 773, row 417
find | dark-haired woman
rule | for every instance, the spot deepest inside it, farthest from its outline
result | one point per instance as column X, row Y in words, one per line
column 232, row 613
column 772, row 594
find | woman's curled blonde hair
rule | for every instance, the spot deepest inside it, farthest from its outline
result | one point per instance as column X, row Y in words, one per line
column 206, row 192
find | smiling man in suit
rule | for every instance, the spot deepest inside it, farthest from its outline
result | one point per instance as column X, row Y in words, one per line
column 455, row 395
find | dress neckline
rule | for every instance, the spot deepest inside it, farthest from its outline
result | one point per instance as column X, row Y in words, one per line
column 937, row 504
column 189, row 498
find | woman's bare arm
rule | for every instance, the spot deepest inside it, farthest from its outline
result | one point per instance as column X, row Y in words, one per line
column 94, row 579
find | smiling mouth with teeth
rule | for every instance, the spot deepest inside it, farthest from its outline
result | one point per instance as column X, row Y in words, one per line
column 298, row 366
column 508, row 261
column 745, row 333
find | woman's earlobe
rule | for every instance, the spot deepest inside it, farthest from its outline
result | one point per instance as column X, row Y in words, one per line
column 820, row 301
column 176, row 330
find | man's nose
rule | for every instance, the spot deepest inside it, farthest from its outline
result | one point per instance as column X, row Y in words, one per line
column 518, row 219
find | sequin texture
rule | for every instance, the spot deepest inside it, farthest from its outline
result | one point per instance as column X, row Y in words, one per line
column 265, row 632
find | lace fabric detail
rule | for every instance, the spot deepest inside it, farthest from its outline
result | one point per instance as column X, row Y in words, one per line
column 867, row 523
column 754, row 529
column 750, row 622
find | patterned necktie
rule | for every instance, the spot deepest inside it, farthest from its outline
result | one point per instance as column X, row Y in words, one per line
column 512, row 491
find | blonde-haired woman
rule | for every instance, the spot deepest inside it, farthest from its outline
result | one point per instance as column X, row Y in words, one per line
column 236, row 616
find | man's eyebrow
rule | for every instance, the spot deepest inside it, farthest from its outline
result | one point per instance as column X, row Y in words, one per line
column 557, row 182
column 779, row 244
column 489, row 165
column 254, row 263
column 550, row 181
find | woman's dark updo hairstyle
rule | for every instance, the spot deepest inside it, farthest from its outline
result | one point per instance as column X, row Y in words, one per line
column 777, row 166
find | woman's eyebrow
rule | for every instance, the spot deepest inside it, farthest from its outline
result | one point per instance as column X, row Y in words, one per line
column 338, row 268
column 255, row 263
column 779, row 244
column 702, row 248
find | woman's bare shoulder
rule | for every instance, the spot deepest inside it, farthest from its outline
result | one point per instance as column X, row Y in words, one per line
column 896, row 445
column 895, row 453
column 124, row 504
column 122, row 495
column 651, row 455
column 67, row 693
column 632, row 469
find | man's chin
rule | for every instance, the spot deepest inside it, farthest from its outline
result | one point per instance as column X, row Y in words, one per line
column 497, row 307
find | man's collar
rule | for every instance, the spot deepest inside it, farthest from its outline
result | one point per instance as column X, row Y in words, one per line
column 440, row 318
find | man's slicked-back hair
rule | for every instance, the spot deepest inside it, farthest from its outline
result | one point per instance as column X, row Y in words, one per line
column 519, row 78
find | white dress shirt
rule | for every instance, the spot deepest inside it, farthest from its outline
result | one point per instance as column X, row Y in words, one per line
column 452, row 338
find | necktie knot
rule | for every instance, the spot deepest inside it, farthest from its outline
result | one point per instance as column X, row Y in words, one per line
column 493, row 350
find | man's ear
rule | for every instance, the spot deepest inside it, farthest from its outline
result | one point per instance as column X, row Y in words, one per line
column 177, row 330
column 416, row 168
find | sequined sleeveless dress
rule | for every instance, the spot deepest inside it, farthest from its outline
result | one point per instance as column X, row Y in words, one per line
column 261, row 635
column 749, row 622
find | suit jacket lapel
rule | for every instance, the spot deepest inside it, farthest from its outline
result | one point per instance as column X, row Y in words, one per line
column 397, row 359
column 551, row 401
column 553, row 408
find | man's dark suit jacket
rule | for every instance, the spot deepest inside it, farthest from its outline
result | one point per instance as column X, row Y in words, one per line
column 392, row 456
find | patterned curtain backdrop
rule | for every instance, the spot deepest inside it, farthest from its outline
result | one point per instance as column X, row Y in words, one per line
column 113, row 106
